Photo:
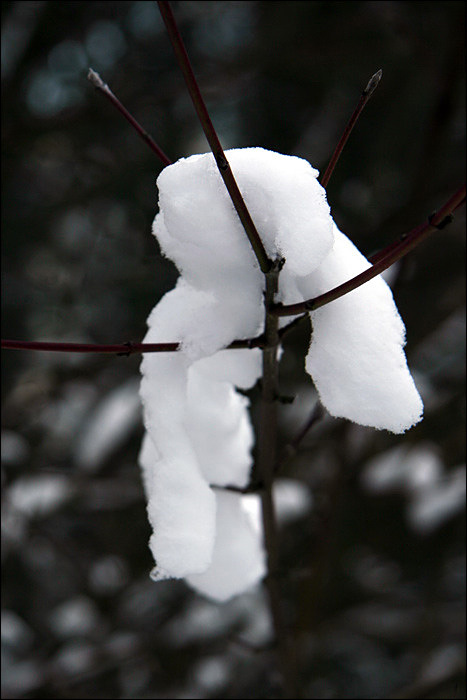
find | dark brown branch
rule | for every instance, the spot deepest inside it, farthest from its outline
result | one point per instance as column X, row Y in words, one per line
column 384, row 259
column 213, row 139
column 117, row 349
column 97, row 81
column 364, row 97
column 266, row 462
column 436, row 223
column 381, row 261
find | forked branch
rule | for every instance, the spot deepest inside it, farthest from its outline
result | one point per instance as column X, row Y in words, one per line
column 381, row 261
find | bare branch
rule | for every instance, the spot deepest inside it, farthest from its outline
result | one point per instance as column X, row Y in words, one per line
column 213, row 139
column 364, row 97
column 384, row 259
column 127, row 348
column 97, row 81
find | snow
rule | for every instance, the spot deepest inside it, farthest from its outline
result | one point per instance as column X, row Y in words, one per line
column 356, row 355
column 108, row 426
column 432, row 506
column 237, row 559
column 292, row 500
column 39, row 495
column 404, row 469
column 434, row 495
column 198, row 429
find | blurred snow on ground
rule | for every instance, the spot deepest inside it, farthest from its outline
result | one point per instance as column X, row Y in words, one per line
column 434, row 494
column 15, row 448
column 39, row 495
column 108, row 425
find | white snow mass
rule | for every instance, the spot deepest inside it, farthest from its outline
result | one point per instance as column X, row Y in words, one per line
column 198, row 430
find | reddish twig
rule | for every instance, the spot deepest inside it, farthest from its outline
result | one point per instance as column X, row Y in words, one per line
column 384, row 259
column 97, row 81
column 128, row 348
column 435, row 220
column 381, row 261
column 213, row 140
column 364, row 97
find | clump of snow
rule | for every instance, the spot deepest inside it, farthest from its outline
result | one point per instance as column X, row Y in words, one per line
column 198, row 430
column 237, row 558
column 356, row 355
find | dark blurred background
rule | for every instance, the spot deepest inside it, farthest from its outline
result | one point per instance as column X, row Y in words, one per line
column 375, row 566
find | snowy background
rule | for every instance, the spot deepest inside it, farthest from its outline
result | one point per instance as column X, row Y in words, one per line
column 372, row 523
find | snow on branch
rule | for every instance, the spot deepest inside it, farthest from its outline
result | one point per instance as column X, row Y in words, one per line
column 212, row 138
column 198, row 430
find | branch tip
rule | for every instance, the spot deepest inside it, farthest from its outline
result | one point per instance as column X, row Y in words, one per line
column 212, row 137
column 364, row 97
column 96, row 80
column 373, row 83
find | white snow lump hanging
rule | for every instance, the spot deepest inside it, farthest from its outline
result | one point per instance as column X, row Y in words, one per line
column 198, row 430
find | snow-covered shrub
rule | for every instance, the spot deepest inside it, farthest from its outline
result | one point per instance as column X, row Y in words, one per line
column 198, row 431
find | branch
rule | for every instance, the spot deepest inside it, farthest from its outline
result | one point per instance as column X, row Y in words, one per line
column 267, row 436
column 365, row 96
column 213, row 139
column 382, row 260
column 97, row 81
column 127, row 348
column 291, row 448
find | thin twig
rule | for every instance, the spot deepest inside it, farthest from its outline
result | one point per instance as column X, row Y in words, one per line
column 128, row 348
column 364, row 97
column 291, row 449
column 381, row 261
column 438, row 224
column 384, row 259
column 97, row 81
column 211, row 135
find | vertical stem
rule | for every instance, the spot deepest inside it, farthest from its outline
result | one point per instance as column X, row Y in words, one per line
column 266, row 462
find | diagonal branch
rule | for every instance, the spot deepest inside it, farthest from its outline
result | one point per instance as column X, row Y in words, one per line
column 383, row 260
column 364, row 97
column 213, row 140
column 97, row 81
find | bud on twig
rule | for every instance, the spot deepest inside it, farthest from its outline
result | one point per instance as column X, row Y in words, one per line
column 373, row 83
